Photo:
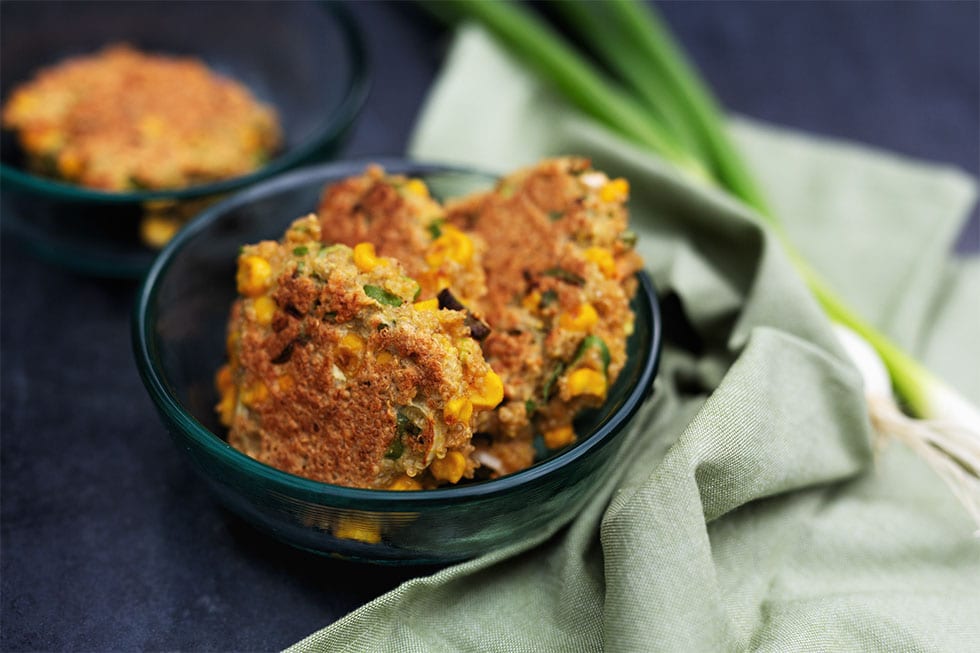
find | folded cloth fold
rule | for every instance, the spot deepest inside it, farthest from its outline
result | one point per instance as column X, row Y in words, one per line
column 747, row 509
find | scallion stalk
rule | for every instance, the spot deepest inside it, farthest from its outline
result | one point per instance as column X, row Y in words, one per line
column 536, row 43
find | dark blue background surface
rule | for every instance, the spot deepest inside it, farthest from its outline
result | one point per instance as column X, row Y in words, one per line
column 108, row 540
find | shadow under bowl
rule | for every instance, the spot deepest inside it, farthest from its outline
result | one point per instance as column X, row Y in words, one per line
column 305, row 59
column 179, row 342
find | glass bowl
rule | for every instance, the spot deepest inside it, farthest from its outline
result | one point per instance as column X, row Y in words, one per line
column 305, row 59
column 179, row 342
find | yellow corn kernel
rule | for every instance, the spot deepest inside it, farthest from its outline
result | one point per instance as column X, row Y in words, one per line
column 617, row 190
column 559, row 437
column 417, row 187
column 265, row 309
column 254, row 275
column 285, row 383
column 42, row 140
column 458, row 409
column 433, row 279
column 450, row 468
column 427, row 305
column 586, row 382
column 603, row 259
column 492, row 392
column 157, row 230
column 403, row 483
column 23, row 104
column 384, row 358
column 365, row 257
column 452, row 245
column 222, row 379
column 226, row 407
column 352, row 343
column 532, row 300
column 360, row 529
column 582, row 318
column 69, row 164
column 255, row 394
column 151, row 127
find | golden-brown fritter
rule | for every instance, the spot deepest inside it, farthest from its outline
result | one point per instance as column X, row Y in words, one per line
column 560, row 268
column 121, row 120
column 336, row 373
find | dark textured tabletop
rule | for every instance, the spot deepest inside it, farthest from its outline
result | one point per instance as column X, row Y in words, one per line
column 109, row 541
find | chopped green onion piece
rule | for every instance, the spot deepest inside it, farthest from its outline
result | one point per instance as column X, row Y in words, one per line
column 564, row 275
column 435, row 227
column 549, row 384
column 382, row 296
column 593, row 341
column 300, row 251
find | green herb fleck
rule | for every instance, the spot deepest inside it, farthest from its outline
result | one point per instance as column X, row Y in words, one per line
column 593, row 341
column 564, row 275
column 382, row 296
column 405, row 426
column 549, row 384
column 300, row 251
column 530, row 406
column 628, row 238
column 555, row 215
column 395, row 449
column 548, row 297
column 435, row 227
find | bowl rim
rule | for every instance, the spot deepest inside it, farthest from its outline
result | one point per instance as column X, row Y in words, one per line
column 330, row 127
column 215, row 446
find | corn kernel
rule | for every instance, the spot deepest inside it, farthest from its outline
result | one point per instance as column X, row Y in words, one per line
column 352, row 343
column 69, row 164
column 582, row 318
column 285, row 383
column 157, row 230
column 450, row 468
column 384, row 358
column 452, row 245
column 403, row 483
column 223, row 380
column 417, row 187
column 433, row 279
column 617, row 190
column 559, row 437
column 427, row 305
column 603, row 259
column 586, row 382
column 226, row 407
column 360, row 529
column 265, row 309
column 365, row 257
column 458, row 409
column 151, row 127
column 45, row 140
column 254, row 275
column 255, row 394
column 532, row 300
column 492, row 392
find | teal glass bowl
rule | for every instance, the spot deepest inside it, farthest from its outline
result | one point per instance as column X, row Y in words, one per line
column 179, row 342
column 305, row 59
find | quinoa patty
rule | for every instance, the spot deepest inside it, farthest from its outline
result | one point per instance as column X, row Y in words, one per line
column 338, row 374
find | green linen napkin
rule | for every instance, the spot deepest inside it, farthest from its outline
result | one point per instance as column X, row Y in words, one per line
column 747, row 511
